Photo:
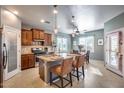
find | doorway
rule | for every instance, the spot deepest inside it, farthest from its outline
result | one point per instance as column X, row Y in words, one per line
column 114, row 52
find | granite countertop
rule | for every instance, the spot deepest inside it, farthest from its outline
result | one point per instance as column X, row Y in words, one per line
column 26, row 53
column 51, row 58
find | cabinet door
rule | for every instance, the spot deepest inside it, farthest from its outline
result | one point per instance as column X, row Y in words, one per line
column 24, row 37
column 29, row 37
column 31, row 59
column 24, row 62
column 38, row 34
column 46, row 38
column 35, row 34
column 41, row 35
column 49, row 39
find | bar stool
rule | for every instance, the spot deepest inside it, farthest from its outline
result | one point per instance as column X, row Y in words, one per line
column 79, row 62
column 63, row 69
column 87, row 56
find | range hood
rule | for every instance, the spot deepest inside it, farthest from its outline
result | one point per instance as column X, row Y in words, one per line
column 38, row 42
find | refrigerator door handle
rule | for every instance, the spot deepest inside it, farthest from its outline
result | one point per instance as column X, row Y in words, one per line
column 4, row 56
column 3, row 59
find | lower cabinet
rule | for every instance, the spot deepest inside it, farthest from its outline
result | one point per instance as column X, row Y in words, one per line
column 27, row 61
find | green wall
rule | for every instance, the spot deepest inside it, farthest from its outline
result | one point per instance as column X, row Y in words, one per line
column 114, row 23
column 98, row 50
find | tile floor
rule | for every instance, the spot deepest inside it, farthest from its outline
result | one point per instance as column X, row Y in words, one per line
column 97, row 76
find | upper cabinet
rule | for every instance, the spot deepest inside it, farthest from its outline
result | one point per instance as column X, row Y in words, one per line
column 48, row 39
column 35, row 35
column 38, row 34
column 26, row 37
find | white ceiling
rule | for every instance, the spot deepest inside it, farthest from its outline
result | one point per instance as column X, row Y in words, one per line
column 88, row 17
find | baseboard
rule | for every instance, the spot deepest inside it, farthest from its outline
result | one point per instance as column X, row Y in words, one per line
column 115, row 72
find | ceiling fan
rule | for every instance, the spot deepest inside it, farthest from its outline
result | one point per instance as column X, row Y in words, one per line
column 75, row 28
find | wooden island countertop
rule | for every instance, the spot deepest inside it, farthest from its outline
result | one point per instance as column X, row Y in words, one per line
column 52, row 58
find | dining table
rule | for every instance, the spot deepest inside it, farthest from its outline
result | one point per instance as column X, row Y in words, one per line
column 47, row 61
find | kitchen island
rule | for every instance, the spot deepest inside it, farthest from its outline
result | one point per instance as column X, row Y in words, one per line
column 47, row 61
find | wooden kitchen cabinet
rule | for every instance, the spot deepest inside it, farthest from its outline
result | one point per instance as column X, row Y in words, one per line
column 24, row 62
column 27, row 61
column 31, row 60
column 41, row 33
column 38, row 34
column 48, row 39
column 26, row 37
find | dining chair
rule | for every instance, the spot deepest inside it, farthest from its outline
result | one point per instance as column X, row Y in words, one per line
column 61, row 70
column 75, row 51
column 87, row 55
column 77, row 63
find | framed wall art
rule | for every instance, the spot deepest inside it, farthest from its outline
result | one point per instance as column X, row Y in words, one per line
column 100, row 42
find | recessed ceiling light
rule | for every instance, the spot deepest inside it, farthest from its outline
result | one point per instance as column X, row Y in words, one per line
column 42, row 20
column 15, row 12
column 55, row 11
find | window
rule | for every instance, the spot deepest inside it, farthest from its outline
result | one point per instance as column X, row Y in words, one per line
column 87, row 42
column 62, row 44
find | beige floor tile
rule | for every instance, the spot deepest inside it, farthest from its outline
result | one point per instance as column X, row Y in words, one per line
column 97, row 76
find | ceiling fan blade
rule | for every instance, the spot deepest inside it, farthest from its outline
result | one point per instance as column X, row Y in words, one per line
column 47, row 22
column 83, row 31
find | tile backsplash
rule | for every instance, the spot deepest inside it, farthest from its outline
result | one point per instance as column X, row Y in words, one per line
column 27, row 49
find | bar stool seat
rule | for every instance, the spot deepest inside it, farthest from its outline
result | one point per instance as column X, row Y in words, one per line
column 56, row 69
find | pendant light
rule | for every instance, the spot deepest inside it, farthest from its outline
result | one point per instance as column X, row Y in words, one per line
column 55, row 11
column 75, row 28
column 77, row 32
column 73, row 34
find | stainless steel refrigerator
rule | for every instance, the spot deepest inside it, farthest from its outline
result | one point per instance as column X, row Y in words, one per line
column 1, row 60
column 10, row 53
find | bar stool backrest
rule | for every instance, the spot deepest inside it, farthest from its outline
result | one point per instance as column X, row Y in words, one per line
column 75, row 51
column 80, row 61
column 67, row 66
